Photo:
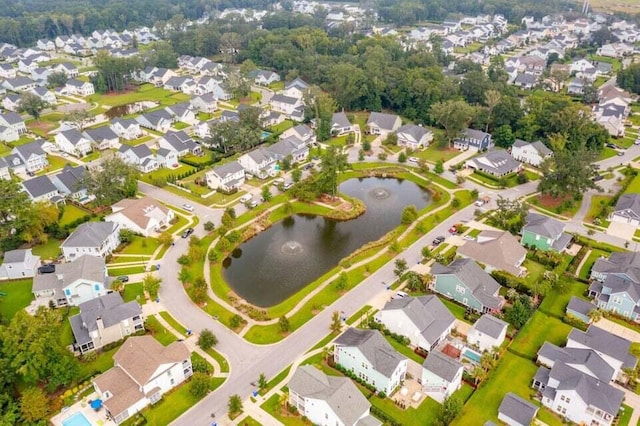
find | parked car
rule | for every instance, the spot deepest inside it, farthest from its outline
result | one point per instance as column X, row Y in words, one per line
column 48, row 268
column 611, row 145
column 438, row 240
column 400, row 295
column 288, row 185
column 479, row 203
column 123, row 278
column 413, row 159
column 187, row 232
column 245, row 198
column 253, row 204
column 620, row 153
column 453, row 230
column 188, row 207
column 307, row 166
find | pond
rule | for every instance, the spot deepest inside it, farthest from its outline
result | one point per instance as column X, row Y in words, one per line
column 126, row 109
column 294, row 252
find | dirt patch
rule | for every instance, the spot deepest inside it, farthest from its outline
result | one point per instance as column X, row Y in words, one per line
column 43, row 126
column 551, row 203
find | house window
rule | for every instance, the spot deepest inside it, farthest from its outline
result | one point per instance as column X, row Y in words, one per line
column 561, row 397
column 460, row 289
column 617, row 300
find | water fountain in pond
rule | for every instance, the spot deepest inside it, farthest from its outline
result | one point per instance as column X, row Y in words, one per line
column 292, row 248
column 379, row 193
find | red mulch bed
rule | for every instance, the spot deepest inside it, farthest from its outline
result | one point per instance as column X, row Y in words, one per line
column 550, row 203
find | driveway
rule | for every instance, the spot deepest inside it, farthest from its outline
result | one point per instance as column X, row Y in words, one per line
column 621, row 230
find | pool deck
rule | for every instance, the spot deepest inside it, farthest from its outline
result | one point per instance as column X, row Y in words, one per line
column 98, row 418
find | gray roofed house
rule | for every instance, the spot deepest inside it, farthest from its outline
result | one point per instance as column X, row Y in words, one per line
column 516, row 411
column 619, row 294
column 586, row 360
column 525, row 81
column 425, row 320
column 497, row 250
column 413, row 136
column 379, row 123
column 19, row 264
column 369, row 355
column 533, row 153
column 293, row 146
column 40, row 188
column 623, row 264
column 180, row 142
column 104, row 320
column 73, row 142
column 475, row 140
column 227, row 177
column 343, row 402
column 104, row 137
column 613, row 348
column 70, row 183
column 627, row 210
column 4, row 169
column 464, row 281
column 580, row 308
column 73, row 283
column 441, row 376
column 442, row 365
column 488, row 332
column 544, row 233
column 340, row 124
column 496, row 163
column 32, row 155
column 92, row 239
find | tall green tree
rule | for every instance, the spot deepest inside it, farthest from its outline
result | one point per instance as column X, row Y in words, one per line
column 453, row 116
column 112, row 181
column 34, row 405
column 320, row 107
column 333, row 162
column 568, row 173
column 32, row 104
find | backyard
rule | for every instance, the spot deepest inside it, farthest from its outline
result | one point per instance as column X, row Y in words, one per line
column 134, row 291
column 14, row 296
column 145, row 92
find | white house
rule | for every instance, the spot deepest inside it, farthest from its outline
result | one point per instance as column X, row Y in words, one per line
column 102, row 137
column 227, row 177
column 441, row 376
column 302, row 132
column 73, row 142
column 31, row 155
column 532, row 153
column 295, row 89
column 380, row 123
column 167, row 158
column 19, row 264
column 487, row 333
column 264, row 78
column 40, row 188
column 14, row 121
column 179, row 142
column 627, row 210
column 516, row 411
column 284, row 104
column 414, row 137
column 205, row 103
column 143, row 371
column 328, row 400
column 139, row 156
column 91, row 239
column 73, row 283
column 424, row 320
column 369, row 356
column 80, row 88
column 70, row 183
column 258, row 162
column 126, row 128
column 144, row 216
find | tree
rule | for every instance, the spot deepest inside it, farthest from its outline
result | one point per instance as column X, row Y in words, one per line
column 414, row 282
column 266, row 193
column 509, row 215
column 400, row 267
column 118, row 286
column 450, row 409
column 590, row 94
column 520, row 312
column 453, row 116
column 296, row 175
column 112, row 181
column 151, row 284
column 409, row 214
column 479, row 374
column 342, row 281
column 320, row 107
column 230, row 44
column 491, row 99
column 57, row 79
column 595, row 315
column 402, row 157
column 568, row 173
column 333, row 162
column 336, row 323
column 439, row 167
column 34, row 405
column 235, row 405
column 207, row 340
column 165, row 238
column 114, row 74
column 200, row 384
column 262, row 382
column 503, row 136
column 32, row 105
column 284, row 324
column 240, row 86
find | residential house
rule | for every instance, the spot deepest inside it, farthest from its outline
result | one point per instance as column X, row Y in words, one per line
column 222, row 92
column 104, row 320
column 292, row 147
column 26, row 66
column 70, row 70
column 91, row 239
column 40, row 188
column 516, row 411
column 285, row 104
column 533, row 64
column 102, row 137
column 302, row 132
column 186, row 85
column 46, row 95
column 380, row 123
column 525, row 80
column 19, row 84
column 126, row 128
column 475, row 140
column 139, row 156
column 424, row 320
column 580, row 309
column 179, row 142
column 328, row 400
column 259, row 162
column 31, row 155
column 264, row 78
column 295, row 89
column 441, row 376
column 615, row 50
column 7, row 71
column 79, row 88
column 73, row 142
column 159, row 121
column 73, row 283
column 143, row 371
column 622, row 264
column 497, row 250
column 580, row 65
column 414, row 137
column 340, row 124
column 627, row 210
column 532, row 153
column 226, row 178
column 167, row 158
column 70, row 183
column 14, row 121
column 19, row 264
column 617, row 294
column 497, row 163
column 544, row 233
column 11, row 102
column 143, row 216
column 487, row 333
column 368, row 355
column 206, row 103
column 467, row 283
column 5, row 172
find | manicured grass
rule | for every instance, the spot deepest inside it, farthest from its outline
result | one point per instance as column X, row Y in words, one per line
column 434, row 153
column 249, row 421
column 535, row 272
column 102, row 363
column 598, row 202
column 18, row 296
column 585, row 272
column 198, row 159
column 555, row 303
column 173, row 323
column 222, row 361
column 182, row 221
column 55, row 163
column 138, row 141
column 607, row 153
column 272, row 406
column 625, row 417
column 134, row 291
column 355, row 317
column 405, row 350
column 281, row 127
column 457, row 310
column 141, row 245
column 49, row 250
column 179, row 125
column 127, row 270
column 172, row 405
column 634, row 187
column 146, row 92
column 161, row 334
column 540, row 328
column 71, row 213
column 276, row 380
column 65, row 335
column 164, row 173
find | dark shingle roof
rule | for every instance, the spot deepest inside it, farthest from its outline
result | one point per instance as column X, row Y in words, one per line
column 481, row 284
column 427, row 313
column 518, row 409
column 442, row 365
column 490, row 325
column 382, row 356
column 544, row 225
column 607, row 343
column 110, row 308
column 39, row 186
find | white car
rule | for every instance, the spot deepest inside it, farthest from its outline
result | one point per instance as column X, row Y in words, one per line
column 188, row 207
column 414, row 159
column 245, row 198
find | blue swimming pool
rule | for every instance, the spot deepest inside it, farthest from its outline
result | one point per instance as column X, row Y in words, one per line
column 78, row 419
column 265, row 135
column 471, row 355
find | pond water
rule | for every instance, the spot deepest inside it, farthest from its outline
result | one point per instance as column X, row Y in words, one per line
column 132, row 108
column 294, row 252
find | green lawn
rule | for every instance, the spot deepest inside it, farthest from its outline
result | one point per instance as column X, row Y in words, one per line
column 161, row 334
column 598, row 202
column 102, row 363
column 146, row 92
column 272, row 406
column 182, row 221
column 173, row 323
column 165, row 172
column 555, row 303
column 179, row 125
column 535, row 272
column 172, row 405
column 540, row 328
column 634, row 187
column 72, row 213
column 222, row 361
column 405, row 350
column 114, row 271
column 65, row 334
column 138, row 141
column 607, row 153
column 55, row 163
column 434, row 153
column 625, row 417
column 141, row 246
column 281, row 127
column 355, row 317
column 457, row 310
column 18, row 296
column 585, row 272
column 49, row 250
column 249, row 421
column 134, row 291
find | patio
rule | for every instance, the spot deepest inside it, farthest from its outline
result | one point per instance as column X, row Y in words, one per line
column 95, row 418
column 409, row 395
